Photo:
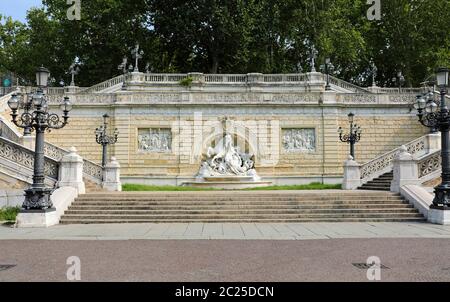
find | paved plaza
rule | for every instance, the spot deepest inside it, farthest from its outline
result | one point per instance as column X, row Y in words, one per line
column 410, row 259
column 238, row 231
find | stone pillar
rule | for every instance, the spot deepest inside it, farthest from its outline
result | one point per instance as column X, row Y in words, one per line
column 352, row 175
column 198, row 80
column 316, row 81
column 71, row 171
column 433, row 142
column 406, row 171
column 254, row 81
column 28, row 141
column 111, row 176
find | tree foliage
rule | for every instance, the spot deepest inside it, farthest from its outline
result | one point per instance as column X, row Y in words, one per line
column 231, row 36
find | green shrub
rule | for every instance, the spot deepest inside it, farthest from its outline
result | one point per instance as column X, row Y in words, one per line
column 9, row 213
column 186, row 82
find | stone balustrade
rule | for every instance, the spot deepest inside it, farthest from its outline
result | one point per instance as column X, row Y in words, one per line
column 413, row 163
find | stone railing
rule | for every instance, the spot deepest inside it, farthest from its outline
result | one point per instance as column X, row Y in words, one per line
column 397, row 90
column 8, row 133
column 223, row 78
column 24, row 157
column 106, row 84
column 429, row 164
column 90, row 169
column 347, row 85
column 384, row 163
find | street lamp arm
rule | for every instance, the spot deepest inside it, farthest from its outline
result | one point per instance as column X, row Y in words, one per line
column 25, row 121
column 54, row 121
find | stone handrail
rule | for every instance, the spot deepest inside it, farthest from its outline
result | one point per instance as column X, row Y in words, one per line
column 7, row 128
column 384, row 162
column 397, row 90
column 7, row 132
column 347, row 85
column 106, row 84
column 90, row 169
column 24, row 157
column 429, row 164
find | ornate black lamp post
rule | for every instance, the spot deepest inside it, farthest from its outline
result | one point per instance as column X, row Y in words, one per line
column 40, row 120
column 399, row 79
column 327, row 68
column 438, row 117
column 353, row 136
column 104, row 139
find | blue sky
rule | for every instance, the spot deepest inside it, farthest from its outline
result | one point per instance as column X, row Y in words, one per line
column 18, row 8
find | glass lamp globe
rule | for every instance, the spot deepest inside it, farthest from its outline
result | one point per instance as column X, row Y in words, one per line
column 431, row 107
column 13, row 102
column 442, row 75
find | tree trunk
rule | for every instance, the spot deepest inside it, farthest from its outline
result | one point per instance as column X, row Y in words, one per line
column 215, row 63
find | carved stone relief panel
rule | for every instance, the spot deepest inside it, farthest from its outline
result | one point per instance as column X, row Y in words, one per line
column 155, row 139
column 299, row 139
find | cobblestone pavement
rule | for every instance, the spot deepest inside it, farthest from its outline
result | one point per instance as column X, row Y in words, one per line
column 407, row 259
column 255, row 231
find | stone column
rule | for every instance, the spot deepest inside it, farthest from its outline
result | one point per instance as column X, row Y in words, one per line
column 405, row 170
column 352, row 175
column 111, row 176
column 71, row 171
column 433, row 142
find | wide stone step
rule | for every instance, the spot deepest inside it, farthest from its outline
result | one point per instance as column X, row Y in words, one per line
column 238, row 206
column 237, row 211
column 186, row 199
column 234, row 195
column 242, row 216
column 381, row 182
column 374, row 188
column 297, row 220
column 234, row 203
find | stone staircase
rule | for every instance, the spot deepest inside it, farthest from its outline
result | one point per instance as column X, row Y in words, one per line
column 381, row 183
column 239, row 206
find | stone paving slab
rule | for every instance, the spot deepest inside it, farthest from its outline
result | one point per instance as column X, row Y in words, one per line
column 235, row 231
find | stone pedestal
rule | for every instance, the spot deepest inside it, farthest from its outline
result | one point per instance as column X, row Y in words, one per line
column 329, row 97
column 71, row 171
column 405, row 170
column 352, row 175
column 71, row 89
column 111, row 176
column 37, row 218
column 316, row 81
column 439, row 215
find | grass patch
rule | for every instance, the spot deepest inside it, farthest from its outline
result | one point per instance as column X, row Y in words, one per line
column 311, row 186
column 9, row 213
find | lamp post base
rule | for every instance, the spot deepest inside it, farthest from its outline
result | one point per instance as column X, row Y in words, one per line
column 439, row 215
column 442, row 195
column 37, row 199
